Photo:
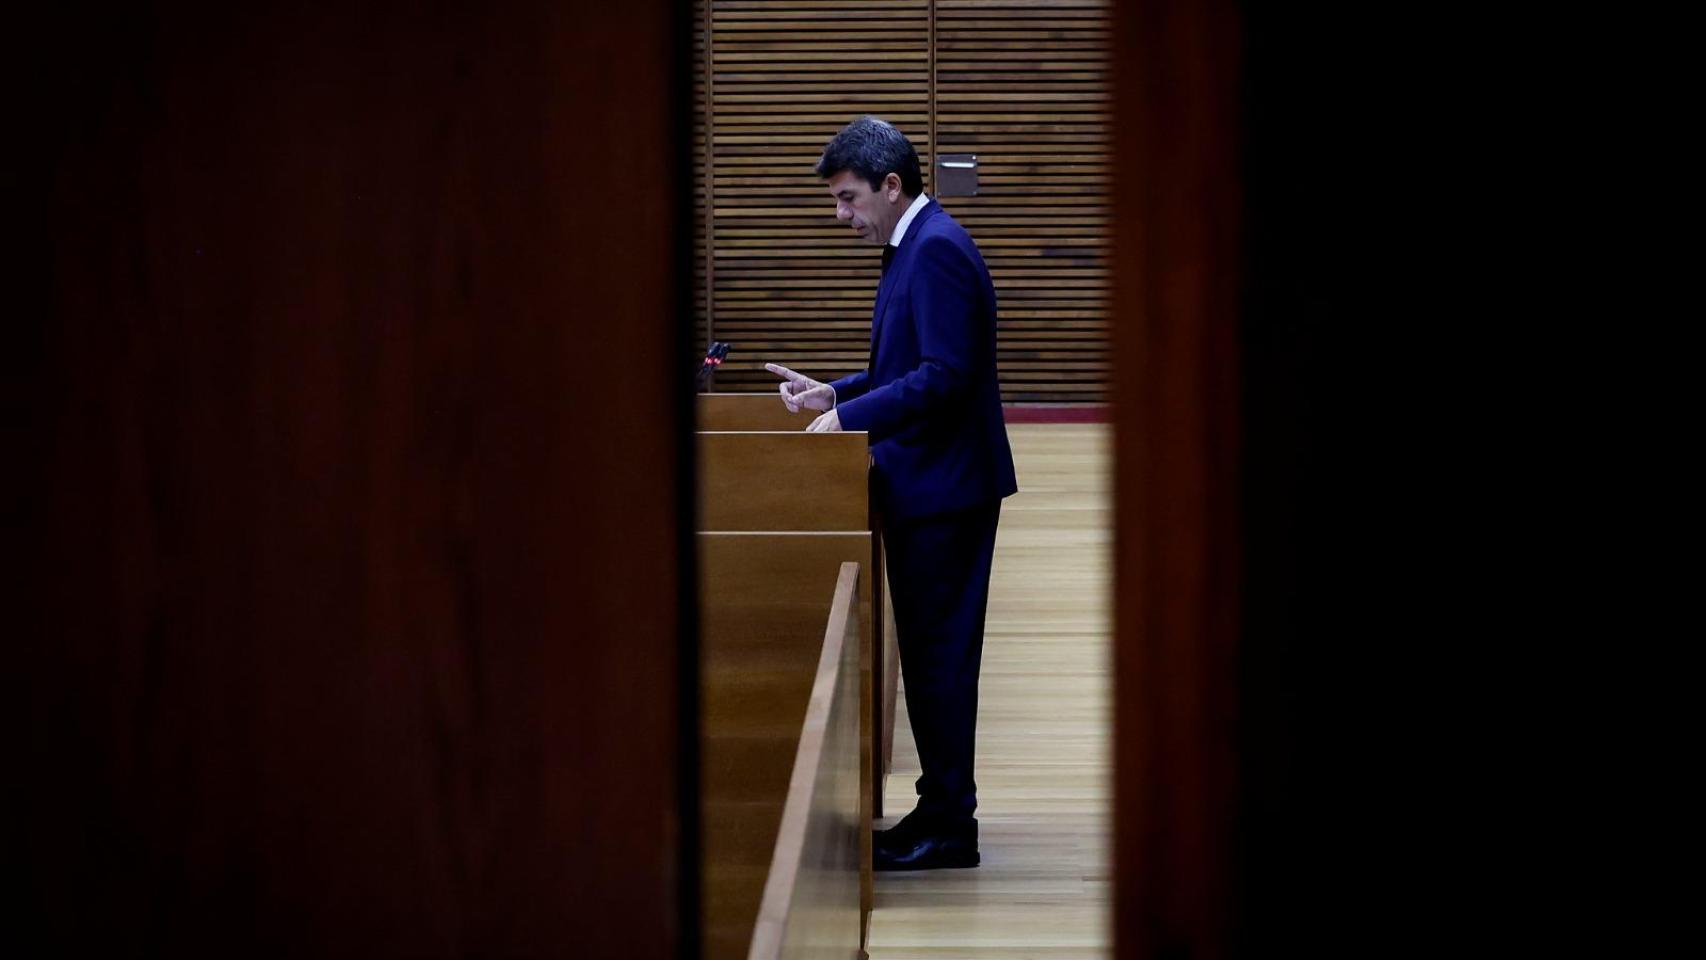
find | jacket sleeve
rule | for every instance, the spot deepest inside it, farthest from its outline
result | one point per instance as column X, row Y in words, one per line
column 851, row 386
column 944, row 302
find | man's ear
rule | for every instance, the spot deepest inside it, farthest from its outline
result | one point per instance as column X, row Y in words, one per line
column 891, row 187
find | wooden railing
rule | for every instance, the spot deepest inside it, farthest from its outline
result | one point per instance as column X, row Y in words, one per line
column 811, row 904
column 765, row 598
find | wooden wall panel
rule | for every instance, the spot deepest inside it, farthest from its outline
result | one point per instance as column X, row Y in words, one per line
column 1022, row 85
column 1025, row 86
column 347, row 597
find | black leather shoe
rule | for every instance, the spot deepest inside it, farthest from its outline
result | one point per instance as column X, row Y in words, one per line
column 913, row 825
column 927, row 848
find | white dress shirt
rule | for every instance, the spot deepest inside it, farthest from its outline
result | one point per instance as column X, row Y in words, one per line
column 918, row 203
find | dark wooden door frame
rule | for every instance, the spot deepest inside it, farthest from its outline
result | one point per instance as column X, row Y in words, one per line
column 352, row 473
column 1176, row 502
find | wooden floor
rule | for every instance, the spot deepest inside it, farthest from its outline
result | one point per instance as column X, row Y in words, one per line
column 1043, row 721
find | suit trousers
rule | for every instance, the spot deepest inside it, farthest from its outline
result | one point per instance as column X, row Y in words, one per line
column 939, row 570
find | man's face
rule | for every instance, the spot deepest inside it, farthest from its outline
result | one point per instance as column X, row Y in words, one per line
column 871, row 213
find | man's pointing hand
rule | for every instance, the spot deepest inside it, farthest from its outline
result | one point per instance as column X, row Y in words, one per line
column 800, row 391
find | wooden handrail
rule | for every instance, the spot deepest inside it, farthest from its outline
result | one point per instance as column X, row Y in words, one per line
column 769, row 935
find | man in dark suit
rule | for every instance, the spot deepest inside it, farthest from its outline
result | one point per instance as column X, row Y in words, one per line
column 932, row 405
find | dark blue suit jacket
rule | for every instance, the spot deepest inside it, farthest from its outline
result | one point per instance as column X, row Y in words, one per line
column 930, row 399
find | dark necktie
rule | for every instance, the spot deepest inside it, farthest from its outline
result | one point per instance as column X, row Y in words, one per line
column 888, row 258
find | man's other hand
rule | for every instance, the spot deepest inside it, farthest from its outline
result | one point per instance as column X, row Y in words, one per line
column 828, row 423
column 800, row 391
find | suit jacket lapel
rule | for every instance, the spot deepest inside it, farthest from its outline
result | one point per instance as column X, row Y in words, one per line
column 883, row 287
column 900, row 264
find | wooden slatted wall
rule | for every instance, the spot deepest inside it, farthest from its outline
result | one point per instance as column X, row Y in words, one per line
column 1023, row 85
column 788, row 282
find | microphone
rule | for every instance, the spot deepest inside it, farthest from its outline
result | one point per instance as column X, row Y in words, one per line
column 713, row 359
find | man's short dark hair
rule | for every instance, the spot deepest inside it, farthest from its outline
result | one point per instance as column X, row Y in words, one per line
column 873, row 149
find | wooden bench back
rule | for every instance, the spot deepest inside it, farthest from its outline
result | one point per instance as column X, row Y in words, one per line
column 749, row 411
column 784, row 481
column 764, row 600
